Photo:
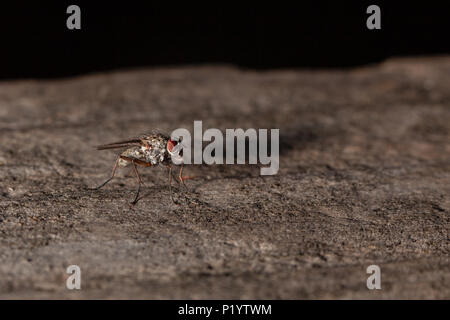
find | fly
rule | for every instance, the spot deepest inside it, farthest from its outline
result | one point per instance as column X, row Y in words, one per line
column 147, row 150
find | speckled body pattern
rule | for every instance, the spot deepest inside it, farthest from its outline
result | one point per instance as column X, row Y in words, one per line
column 152, row 149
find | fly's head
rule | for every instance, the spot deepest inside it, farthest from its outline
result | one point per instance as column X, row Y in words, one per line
column 175, row 149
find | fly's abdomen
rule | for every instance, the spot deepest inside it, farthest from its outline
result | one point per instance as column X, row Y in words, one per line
column 133, row 153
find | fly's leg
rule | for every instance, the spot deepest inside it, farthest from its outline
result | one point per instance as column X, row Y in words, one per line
column 141, row 163
column 110, row 178
column 180, row 176
column 136, row 198
column 170, row 183
column 129, row 174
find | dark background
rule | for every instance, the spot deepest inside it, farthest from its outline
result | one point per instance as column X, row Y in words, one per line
column 36, row 42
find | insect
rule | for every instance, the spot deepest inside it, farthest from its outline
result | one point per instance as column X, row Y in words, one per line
column 147, row 150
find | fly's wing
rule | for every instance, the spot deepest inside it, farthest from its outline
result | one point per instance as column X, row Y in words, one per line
column 139, row 141
column 120, row 144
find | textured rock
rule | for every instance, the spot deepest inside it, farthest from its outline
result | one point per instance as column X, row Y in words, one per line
column 364, row 179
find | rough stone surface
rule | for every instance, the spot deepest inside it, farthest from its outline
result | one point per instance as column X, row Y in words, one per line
column 364, row 179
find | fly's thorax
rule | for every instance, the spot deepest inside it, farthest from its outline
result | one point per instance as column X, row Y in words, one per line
column 154, row 151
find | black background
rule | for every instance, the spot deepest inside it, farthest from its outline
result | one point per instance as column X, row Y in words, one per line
column 316, row 34
column 280, row 309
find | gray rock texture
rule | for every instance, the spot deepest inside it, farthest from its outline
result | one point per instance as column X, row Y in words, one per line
column 364, row 179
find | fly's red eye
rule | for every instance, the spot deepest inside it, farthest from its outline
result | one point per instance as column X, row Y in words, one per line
column 171, row 144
